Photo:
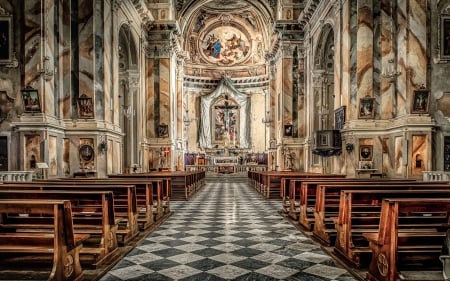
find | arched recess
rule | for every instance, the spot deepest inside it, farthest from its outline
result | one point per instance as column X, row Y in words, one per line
column 324, row 80
column 322, row 117
column 128, row 95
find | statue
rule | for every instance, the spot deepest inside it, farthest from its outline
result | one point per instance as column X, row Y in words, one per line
column 162, row 159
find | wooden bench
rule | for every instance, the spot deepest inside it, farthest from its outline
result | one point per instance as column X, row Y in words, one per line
column 59, row 246
column 269, row 184
column 125, row 202
column 182, row 184
column 306, row 200
column 359, row 212
column 93, row 214
column 153, row 195
column 326, row 207
column 400, row 250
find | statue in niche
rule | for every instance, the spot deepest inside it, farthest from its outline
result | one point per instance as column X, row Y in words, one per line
column 200, row 21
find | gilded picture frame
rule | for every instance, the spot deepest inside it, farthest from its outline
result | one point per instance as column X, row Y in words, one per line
column 30, row 99
column 6, row 39
column 366, row 108
column 420, row 101
column 365, row 152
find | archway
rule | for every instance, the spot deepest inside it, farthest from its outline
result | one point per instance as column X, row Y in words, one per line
column 128, row 93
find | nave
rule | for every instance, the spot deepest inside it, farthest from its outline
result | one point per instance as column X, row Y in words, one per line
column 227, row 232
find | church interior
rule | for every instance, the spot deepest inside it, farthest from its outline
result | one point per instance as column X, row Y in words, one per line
column 225, row 89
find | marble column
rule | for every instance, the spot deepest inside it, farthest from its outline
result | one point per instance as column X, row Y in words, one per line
column 287, row 78
column 87, row 51
column 364, row 65
column 388, row 70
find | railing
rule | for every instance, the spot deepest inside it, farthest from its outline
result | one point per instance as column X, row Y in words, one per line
column 16, row 176
column 436, row 176
column 237, row 169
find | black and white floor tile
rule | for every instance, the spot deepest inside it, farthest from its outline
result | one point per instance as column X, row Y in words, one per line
column 227, row 232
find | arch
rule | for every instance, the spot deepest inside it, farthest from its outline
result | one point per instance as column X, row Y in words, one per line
column 128, row 93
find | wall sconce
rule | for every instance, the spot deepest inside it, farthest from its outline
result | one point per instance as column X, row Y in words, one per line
column 349, row 147
column 128, row 111
column 186, row 120
column 45, row 69
column 390, row 72
column 267, row 120
column 103, row 145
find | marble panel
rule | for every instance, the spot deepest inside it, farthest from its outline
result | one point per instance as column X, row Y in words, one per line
column 287, row 90
column 32, row 45
column 364, row 70
column 401, row 45
column 443, row 104
column 417, row 45
column 64, row 64
column 32, row 150
column 419, row 154
column 398, row 156
column 164, row 94
column 52, row 156
column 150, row 99
column 344, row 46
column 86, row 42
column 66, row 157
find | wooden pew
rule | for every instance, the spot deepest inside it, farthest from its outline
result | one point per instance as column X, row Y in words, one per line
column 183, row 184
column 270, row 182
column 93, row 214
column 308, row 191
column 399, row 249
column 125, row 202
column 153, row 195
column 359, row 212
column 327, row 203
column 59, row 246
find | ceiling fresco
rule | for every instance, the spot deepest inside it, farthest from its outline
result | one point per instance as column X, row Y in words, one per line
column 225, row 45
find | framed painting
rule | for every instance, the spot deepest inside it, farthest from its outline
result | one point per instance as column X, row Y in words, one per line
column 339, row 118
column 420, row 101
column 30, row 98
column 445, row 37
column 288, row 130
column 365, row 152
column 366, row 108
column 163, row 131
column 6, row 42
column 85, row 107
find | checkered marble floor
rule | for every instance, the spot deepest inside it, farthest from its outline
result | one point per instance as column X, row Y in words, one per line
column 227, row 232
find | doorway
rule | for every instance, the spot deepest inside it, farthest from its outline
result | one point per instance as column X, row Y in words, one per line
column 3, row 153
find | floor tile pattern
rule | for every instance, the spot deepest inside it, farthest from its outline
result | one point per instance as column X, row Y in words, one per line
column 227, row 232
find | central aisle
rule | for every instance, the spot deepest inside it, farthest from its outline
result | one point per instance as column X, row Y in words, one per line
column 227, row 232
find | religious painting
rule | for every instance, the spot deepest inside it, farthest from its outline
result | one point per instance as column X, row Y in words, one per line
column 366, row 108
column 420, row 101
column 226, row 119
column 226, row 45
column 288, row 130
column 163, row 131
column 365, row 152
column 339, row 118
column 30, row 98
column 85, row 107
column 445, row 37
column 6, row 39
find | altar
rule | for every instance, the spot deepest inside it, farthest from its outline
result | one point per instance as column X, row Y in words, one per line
column 226, row 164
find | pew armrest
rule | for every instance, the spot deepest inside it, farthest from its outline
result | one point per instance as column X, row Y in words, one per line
column 446, row 266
